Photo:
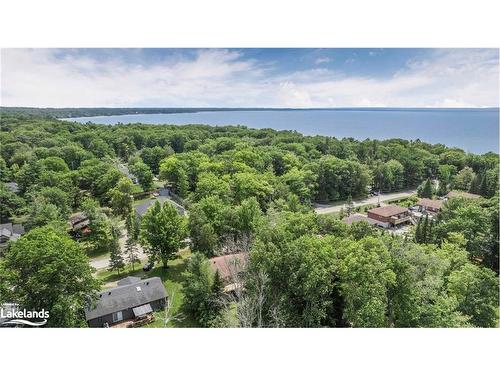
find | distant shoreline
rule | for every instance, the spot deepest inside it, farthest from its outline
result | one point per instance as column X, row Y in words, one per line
column 68, row 113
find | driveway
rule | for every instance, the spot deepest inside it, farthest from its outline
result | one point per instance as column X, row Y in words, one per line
column 103, row 261
column 336, row 207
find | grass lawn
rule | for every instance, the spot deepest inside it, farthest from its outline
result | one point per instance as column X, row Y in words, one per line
column 171, row 278
column 138, row 202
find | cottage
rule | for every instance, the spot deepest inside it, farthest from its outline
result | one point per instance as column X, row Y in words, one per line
column 229, row 267
column 462, row 194
column 79, row 222
column 132, row 298
column 429, row 205
column 10, row 232
column 390, row 215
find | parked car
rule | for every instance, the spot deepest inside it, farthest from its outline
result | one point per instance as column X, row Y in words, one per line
column 148, row 266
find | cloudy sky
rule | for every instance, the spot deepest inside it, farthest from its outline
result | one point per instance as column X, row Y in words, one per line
column 250, row 77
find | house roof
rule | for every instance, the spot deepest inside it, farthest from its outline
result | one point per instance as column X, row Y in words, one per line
column 77, row 217
column 141, row 209
column 127, row 296
column 358, row 217
column 12, row 231
column 129, row 280
column 433, row 203
column 388, row 211
column 227, row 265
column 142, row 310
column 462, row 194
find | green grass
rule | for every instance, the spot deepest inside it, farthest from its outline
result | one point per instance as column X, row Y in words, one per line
column 404, row 202
column 138, row 202
column 172, row 280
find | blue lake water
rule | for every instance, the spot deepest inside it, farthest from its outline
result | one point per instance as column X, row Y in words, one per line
column 474, row 130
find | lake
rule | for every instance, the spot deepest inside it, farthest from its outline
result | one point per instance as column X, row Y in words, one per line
column 474, row 130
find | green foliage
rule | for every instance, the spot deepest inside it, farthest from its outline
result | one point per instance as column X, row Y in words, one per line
column 476, row 290
column 121, row 198
column 174, row 171
column 252, row 190
column 464, row 179
column 116, row 260
column 365, row 273
column 425, row 190
column 143, row 174
column 202, row 291
column 10, row 203
column 48, row 270
column 162, row 230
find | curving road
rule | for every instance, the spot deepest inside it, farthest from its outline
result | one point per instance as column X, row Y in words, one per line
column 336, row 207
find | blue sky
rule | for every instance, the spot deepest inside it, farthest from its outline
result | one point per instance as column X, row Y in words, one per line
column 299, row 78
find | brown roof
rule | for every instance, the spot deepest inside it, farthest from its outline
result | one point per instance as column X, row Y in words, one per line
column 77, row 217
column 388, row 211
column 228, row 265
column 462, row 194
column 433, row 203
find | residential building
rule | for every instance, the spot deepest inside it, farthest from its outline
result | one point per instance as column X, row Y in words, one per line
column 133, row 298
column 229, row 267
column 10, row 232
column 79, row 222
column 429, row 205
column 390, row 215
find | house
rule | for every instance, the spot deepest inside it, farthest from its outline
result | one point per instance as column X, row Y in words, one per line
column 229, row 267
column 358, row 217
column 429, row 205
column 390, row 215
column 162, row 197
column 10, row 232
column 132, row 298
column 79, row 222
column 462, row 194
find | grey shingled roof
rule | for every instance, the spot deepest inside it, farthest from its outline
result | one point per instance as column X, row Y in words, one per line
column 127, row 296
column 12, row 231
column 129, row 280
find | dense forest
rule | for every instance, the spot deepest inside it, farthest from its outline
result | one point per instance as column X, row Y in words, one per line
column 251, row 191
column 106, row 111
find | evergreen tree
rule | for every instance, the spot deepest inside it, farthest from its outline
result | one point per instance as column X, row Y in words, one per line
column 483, row 189
column 425, row 228
column 425, row 190
column 418, row 231
column 475, row 186
column 131, row 252
column 116, row 261
column 349, row 205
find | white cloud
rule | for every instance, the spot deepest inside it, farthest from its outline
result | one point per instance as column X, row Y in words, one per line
column 322, row 60
column 51, row 78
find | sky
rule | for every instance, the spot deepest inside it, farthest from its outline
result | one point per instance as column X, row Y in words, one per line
column 278, row 78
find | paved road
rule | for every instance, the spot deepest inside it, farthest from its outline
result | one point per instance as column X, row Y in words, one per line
column 336, row 207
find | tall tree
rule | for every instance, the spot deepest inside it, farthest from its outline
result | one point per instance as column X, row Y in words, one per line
column 202, row 291
column 162, row 230
column 48, row 270
column 121, row 198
